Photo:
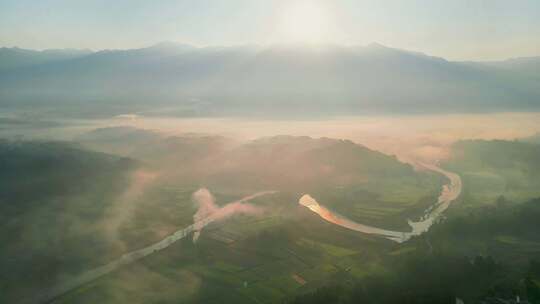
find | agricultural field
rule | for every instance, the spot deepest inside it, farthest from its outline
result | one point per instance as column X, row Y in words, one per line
column 254, row 261
column 491, row 169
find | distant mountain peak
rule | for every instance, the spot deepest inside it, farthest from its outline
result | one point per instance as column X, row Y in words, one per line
column 376, row 45
column 15, row 57
column 271, row 81
column 170, row 45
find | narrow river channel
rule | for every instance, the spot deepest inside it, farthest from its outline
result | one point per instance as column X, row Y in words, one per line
column 46, row 296
column 449, row 193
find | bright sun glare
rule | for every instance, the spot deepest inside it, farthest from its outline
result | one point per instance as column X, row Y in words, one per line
column 305, row 22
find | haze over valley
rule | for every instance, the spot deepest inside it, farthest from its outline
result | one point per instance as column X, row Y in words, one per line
column 275, row 81
column 269, row 152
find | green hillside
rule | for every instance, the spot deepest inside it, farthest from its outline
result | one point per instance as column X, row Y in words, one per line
column 493, row 168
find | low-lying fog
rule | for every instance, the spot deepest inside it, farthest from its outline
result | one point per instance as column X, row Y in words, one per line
column 412, row 136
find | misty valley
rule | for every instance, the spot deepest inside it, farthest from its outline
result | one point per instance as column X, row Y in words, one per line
column 122, row 214
column 270, row 151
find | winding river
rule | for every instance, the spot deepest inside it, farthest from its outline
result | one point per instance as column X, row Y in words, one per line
column 48, row 295
column 449, row 193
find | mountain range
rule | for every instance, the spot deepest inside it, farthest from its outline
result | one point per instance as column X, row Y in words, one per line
column 238, row 80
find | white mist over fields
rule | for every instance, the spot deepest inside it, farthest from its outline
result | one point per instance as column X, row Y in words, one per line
column 421, row 137
column 424, row 137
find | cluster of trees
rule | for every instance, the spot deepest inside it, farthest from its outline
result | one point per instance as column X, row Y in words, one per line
column 435, row 279
column 500, row 218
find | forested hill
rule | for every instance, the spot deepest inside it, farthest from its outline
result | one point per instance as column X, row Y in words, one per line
column 53, row 199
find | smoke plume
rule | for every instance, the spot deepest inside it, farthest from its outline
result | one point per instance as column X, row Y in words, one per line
column 208, row 211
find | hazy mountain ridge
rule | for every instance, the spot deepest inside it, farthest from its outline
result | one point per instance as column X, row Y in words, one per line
column 279, row 79
column 518, row 64
column 13, row 58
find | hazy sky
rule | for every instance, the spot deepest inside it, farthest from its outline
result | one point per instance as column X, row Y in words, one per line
column 455, row 29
